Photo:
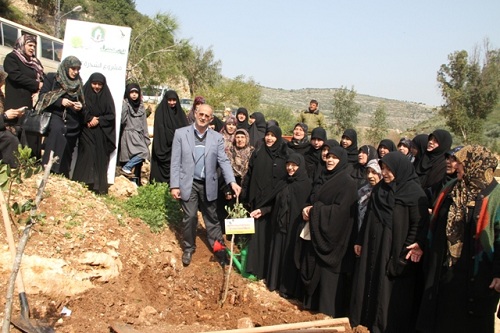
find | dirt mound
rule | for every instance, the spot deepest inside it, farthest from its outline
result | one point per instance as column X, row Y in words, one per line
column 106, row 267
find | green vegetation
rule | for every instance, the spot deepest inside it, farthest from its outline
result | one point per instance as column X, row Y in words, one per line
column 345, row 110
column 379, row 126
column 283, row 115
column 470, row 87
column 155, row 206
column 233, row 94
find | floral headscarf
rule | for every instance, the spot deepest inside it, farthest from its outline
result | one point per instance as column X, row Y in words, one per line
column 479, row 165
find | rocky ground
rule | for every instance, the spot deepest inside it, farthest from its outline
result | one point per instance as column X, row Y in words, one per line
column 91, row 259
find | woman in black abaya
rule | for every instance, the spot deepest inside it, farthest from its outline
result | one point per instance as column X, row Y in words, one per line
column 97, row 140
column 366, row 153
column 330, row 219
column 349, row 141
column 431, row 167
column 169, row 116
column 283, row 274
column 265, row 178
column 257, row 130
column 383, row 294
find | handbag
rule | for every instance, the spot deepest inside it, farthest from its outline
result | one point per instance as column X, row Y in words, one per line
column 36, row 122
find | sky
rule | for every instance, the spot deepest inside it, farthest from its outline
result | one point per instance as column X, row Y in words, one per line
column 389, row 49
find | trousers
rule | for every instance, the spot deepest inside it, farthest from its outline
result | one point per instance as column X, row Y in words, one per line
column 198, row 201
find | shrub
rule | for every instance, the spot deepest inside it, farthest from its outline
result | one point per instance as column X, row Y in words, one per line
column 155, row 206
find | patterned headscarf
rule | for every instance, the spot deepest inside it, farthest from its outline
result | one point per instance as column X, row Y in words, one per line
column 228, row 138
column 240, row 157
column 31, row 62
column 479, row 165
column 71, row 87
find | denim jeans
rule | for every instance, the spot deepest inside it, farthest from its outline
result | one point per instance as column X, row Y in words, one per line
column 133, row 162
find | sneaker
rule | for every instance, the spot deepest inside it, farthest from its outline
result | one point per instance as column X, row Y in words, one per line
column 127, row 172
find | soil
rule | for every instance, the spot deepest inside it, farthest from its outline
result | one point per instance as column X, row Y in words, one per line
column 141, row 280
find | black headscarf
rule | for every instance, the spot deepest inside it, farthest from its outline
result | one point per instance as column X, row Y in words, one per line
column 268, row 171
column 295, row 194
column 169, row 119
column 301, row 145
column 388, row 143
column 128, row 89
column 359, row 170
column 242, row 124
column 352, row 150
column 258, row 128
column 100, row 102
column 276, row 145
column 431, row 167
column 217, row 123
column 343, row 163
column 420, row 143
column 403, row 190
column 326, row 175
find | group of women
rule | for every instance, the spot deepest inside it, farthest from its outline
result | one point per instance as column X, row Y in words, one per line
column 82, row 117
column 399, row 238
column 355, row 237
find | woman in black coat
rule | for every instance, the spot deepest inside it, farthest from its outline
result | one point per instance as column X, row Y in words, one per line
column 265, row 178
column 383, row 293
column 25, row 78
column 169, row 116
column 283, row 273
column 330, row 217
column 62, row 94
column 97, row 140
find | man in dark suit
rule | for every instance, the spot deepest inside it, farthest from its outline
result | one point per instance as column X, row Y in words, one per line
column 196, row 152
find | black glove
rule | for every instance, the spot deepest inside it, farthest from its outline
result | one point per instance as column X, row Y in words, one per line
column 222, row 257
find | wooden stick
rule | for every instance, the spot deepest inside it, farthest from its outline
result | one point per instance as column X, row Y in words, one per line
column 288, row 327
column 14, row 277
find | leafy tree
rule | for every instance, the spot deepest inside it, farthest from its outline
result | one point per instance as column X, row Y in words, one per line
column 283, row 115
column 470, row 88
column 153, row 51
column 345, row 109
column 200, row 68
column 233, row 93
column 116, row 12
column 379, row 125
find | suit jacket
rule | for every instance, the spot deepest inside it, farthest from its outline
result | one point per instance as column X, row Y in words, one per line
column 183, row 163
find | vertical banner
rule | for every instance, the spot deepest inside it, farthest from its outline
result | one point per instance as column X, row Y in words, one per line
column 101, row 48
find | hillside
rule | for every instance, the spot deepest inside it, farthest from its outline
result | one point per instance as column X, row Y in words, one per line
column 89, row 257
column 401, row 115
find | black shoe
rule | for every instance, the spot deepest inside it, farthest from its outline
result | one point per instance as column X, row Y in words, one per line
column 186, row 258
